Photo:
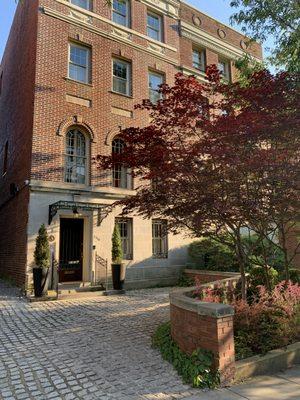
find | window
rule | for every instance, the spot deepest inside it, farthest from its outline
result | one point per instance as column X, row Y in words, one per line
column 155, row 80
column 154, row 26
column 121, row 12
column 224, row 68
column 125, row 227
column 121, row 177
column 159, row 239
column 5, row 159
column 86, row 4
column 199, row 59
column 121, row 77
column 76, row 157
column 79, row 63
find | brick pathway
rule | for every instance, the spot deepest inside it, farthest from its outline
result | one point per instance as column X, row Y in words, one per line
column 88, row 348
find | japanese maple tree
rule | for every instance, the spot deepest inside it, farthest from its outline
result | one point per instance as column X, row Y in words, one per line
column 218, row 157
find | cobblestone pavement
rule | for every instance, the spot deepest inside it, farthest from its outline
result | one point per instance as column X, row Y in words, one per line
column 88, row 348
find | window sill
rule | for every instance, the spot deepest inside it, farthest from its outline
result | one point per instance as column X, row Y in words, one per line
column 121, row 94
column 79, row 82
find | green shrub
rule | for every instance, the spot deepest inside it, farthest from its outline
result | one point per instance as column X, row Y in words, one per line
column 258, row 276
column 195, row 369
column 208, row 254
column 116, row 250
column 42, row 249
column 295, row 275
column 256, row 248
column 185, row 281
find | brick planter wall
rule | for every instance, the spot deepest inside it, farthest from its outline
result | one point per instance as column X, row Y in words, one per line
column 204, row 276
column 196, row 324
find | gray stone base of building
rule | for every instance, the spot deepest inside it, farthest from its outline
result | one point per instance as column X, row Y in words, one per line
column 153, row 276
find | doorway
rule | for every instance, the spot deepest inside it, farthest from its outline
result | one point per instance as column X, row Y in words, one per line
column 71, row 249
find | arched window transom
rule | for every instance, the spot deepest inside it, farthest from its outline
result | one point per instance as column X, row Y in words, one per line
column 75, row 157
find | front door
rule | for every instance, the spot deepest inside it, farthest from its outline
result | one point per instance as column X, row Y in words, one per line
column 70, row 250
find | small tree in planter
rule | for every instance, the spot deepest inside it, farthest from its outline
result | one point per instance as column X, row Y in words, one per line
column 117, row 267
column 42, row 262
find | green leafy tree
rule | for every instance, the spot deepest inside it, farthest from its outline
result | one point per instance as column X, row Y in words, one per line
column 262, row 18
column 42, row 249
column 116, row 251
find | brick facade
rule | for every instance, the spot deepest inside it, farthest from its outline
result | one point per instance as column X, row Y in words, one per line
column 16, row 125
column 35, row 66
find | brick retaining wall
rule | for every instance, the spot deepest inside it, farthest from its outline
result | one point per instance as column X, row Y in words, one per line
column 196, row 324
column 204, row 276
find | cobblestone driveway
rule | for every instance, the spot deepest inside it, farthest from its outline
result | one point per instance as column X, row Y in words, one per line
column 88, row 348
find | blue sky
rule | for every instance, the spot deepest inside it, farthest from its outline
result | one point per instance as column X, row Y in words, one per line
column 218, row 9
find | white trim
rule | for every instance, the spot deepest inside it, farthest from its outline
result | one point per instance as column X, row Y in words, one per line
column 128, row 76
column 110, row 36
column 127, row 16
column 89, row 5
column 204, row 39
column 213, row 18
column 88, row 62
column 103, row 19
column 160, row 25
column 167, row 7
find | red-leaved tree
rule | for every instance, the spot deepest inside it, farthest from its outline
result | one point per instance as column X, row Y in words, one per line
column 217, row 158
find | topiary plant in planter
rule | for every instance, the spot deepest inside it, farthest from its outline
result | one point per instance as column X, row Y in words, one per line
column 42, row 262
column 117, row 267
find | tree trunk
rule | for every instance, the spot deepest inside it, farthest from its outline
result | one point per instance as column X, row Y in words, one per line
column 285, row 253
column 242, row 265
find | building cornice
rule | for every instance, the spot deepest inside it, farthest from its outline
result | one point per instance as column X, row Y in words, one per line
column 128, row 32
column 154, row 51
column 167, row 7
column 93, row 192
column 204, row 39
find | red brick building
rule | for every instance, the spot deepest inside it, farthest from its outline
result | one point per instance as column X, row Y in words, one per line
column 71, row 74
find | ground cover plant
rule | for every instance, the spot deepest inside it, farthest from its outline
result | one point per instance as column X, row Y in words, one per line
column 195, row 369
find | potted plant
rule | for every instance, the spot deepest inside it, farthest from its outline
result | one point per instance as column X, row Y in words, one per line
column 42, row 262
column 117, row 267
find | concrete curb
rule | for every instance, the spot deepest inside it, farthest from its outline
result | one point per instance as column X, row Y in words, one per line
column 274, row 361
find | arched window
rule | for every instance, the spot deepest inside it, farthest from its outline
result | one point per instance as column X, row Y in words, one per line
column 121, row 176
column 75, row 157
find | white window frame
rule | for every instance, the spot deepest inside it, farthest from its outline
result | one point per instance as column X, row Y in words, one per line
column 128, row 76
column 202, row 59
column 127, row 16
column 159, row 242
column 227, row 68
column 88, row 63
column 151, row 90
column 89, row 5
column 160, row 25
column 125, row 177
column 127, row 242
column 85, row 157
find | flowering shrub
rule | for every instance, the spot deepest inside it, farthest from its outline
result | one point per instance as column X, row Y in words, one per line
column 271, row 321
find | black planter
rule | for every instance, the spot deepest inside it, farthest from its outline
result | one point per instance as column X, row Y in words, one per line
column 118, row 276
column 40, row 281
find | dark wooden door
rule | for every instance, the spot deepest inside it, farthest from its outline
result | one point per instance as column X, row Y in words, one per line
column 70, row 250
